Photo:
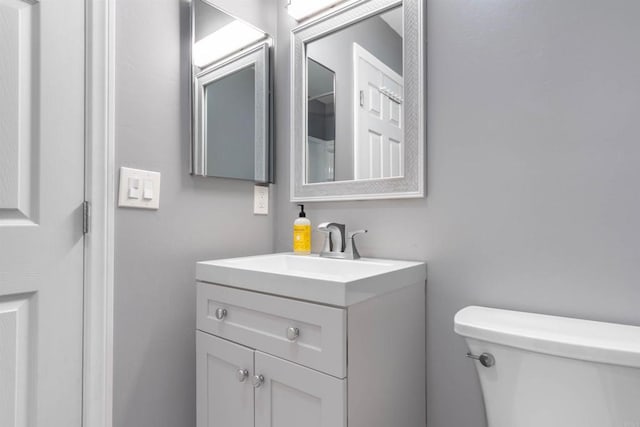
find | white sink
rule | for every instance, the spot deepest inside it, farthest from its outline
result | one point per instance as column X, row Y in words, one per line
column 331, row 281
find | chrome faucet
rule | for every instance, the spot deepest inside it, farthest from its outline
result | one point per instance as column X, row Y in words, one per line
column 329, row 228
column 347, row 248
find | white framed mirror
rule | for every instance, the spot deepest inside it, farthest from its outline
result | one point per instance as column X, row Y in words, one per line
column 358, row 103
column 231, row 114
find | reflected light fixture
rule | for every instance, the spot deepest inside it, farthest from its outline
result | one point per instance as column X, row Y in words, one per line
column 301, row 9
column 225, row 41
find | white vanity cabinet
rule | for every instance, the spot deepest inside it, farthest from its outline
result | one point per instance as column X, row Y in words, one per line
column 284, row 394
column 270, row 360
column 239, row 382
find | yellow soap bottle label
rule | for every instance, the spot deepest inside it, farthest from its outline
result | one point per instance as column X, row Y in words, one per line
column 302, row 238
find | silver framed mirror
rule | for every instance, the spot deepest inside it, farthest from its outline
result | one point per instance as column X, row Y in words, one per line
column 358, row 103
column 231, row 114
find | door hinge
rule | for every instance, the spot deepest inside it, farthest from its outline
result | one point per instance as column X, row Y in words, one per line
column 86, row 216
column 362, row 98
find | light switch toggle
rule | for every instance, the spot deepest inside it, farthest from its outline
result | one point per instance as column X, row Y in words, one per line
column 147, row 191
column 134, row 188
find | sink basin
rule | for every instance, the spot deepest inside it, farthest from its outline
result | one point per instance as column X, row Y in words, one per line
column 331, row 281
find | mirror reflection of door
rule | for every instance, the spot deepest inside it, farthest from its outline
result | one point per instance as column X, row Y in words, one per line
column 364, row 61
column 378, row 131
column 321, row 123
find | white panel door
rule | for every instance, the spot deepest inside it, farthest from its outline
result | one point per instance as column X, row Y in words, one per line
column 378, row 128
column 41, row 195
column 294, row 396
column 224, row 389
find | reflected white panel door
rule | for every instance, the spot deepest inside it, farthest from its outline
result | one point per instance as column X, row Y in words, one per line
column 378, row 128
column 294, row 396
column 41, row 194
column 224, row 389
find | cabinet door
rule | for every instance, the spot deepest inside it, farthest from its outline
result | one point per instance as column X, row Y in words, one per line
column 294, row 396
column 224, row 397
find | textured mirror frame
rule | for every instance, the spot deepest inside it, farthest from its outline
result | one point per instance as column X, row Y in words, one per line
column 412, row 184
column 258, row 56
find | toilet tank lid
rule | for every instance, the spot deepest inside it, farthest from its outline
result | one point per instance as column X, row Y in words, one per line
column 560, row 336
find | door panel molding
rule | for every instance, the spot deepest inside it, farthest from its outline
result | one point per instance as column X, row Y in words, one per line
column 19, row 151
column 17, row 323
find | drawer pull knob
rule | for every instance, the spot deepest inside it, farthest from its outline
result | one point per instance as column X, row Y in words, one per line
column 221, row 313
column 257, row 380
column 242, row 375
column 293, row 334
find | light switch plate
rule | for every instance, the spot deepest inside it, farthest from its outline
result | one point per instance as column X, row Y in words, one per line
column 261, row 200
column 146, row 196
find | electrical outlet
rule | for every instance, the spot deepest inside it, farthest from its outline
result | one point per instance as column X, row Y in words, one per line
column 261, row 200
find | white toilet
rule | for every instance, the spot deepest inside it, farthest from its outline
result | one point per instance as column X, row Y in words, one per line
column 547, row 371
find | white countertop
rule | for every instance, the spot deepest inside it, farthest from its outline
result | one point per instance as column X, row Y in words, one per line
column 336, row 282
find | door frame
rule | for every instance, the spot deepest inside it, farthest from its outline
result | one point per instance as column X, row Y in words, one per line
column 97, row 375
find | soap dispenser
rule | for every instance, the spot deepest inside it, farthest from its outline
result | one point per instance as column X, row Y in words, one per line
column 302, row 234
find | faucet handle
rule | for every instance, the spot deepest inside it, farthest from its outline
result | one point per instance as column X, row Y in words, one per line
column 327, row 246
column 351, row 252
column 337, row 228
column 351, row 234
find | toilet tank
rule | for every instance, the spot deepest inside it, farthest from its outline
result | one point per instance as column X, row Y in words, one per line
column 554, row 371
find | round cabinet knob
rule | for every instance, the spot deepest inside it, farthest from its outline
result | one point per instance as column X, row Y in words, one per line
column 293, row 333
column 221, row 313
column 257, row 380
column 242, row 375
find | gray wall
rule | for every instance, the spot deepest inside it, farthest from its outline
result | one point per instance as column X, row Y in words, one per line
column 336, row 53
column 533, row 162
column 199, row 218
column 533, row 152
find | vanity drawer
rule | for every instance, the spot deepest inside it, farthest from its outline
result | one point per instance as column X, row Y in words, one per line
column 263, row 322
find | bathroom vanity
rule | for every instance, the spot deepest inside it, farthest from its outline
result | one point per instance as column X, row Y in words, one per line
column 290, row 341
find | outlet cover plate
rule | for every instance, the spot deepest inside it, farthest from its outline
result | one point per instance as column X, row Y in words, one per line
column 261, row 200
